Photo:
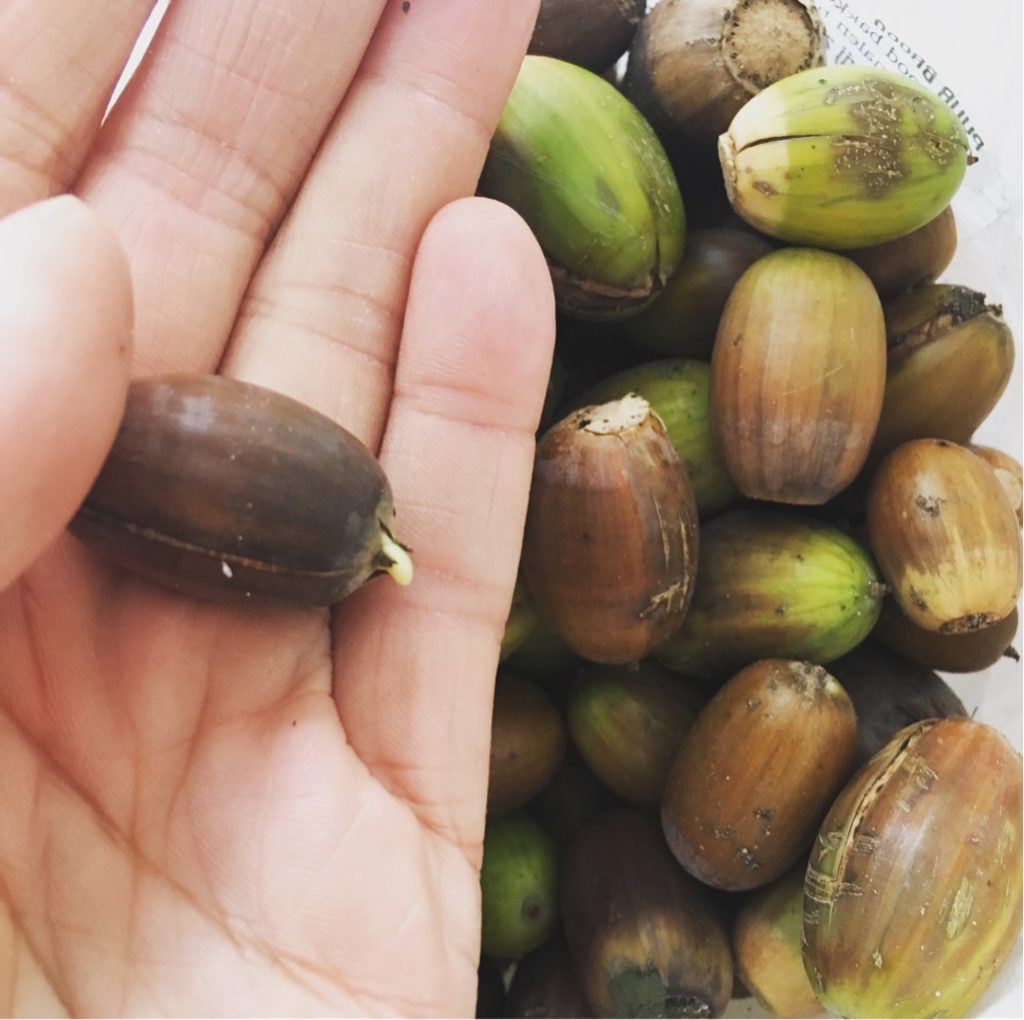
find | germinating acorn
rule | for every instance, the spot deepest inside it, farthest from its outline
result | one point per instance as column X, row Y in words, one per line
column 843, row 157
column 950, row 359
column 580, row 164
column 628, row 722
column 945, row 537
column 682, row 320
column 678, row 392
column 518, row 885
column 610, row 546
column 223, row 490
column 952, row 653
column 912, row 260
column 644, row 936
column 797, row 376
column 756, row 772
column 591, row 33
column 527, row 743
column 913, row 891
column 773, row 585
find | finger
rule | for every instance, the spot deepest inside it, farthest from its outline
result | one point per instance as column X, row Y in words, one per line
column 323, row 317
column 205, row 150
column 61, row 60
column 415, row 667
column 65, row 333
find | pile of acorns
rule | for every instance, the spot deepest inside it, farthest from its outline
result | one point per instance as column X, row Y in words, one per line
column 719, row 749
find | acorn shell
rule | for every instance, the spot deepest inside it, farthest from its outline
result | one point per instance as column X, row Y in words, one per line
column 227, row 491
column 945, row 536
column 913, row 891
column 610, row 547
column 755, row 774
column 797, row 376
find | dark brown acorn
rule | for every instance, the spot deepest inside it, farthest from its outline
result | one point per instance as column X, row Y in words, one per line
column 797, row 376
column 545, row 985
column 610, row 548
column 945, row 537
column 227, row 491
column 527, row 743
column 911, row 260
column 951, row 653
column 682, row 320
column 888, row 693
column 591, row 33
column 644, row 936
column 571, row 799
column 755, row 774
column 913, row 892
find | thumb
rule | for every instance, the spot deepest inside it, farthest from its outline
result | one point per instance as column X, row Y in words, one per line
column 65, row 335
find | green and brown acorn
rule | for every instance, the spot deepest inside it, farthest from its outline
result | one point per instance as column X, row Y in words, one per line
column 843, row 157
column 580, row 164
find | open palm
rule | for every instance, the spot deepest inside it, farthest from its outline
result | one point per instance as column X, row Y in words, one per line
column 211, row 810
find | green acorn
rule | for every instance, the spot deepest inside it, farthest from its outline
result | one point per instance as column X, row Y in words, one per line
column 580, row 164
column 843, row 157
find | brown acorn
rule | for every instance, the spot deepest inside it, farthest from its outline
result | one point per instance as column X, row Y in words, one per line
column 610, row 547
column 951, row 653
column 911, row 260
column 682, row 320
column 694, row 63
column 228, row 491
column 913, row 892
column 945, row 537
column 645, row 937
column 527, row 743
column 756, row 773
column 950, row 358
column 591, row 33
column 545, row 985
column 797, row 376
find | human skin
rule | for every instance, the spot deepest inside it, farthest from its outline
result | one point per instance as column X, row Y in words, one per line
column 210, row 810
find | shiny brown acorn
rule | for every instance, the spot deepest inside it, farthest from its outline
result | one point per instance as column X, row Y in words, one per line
column 227, row 491
column 610, row 547
column 527, row 743
column 911, row 260
column 645, row 937
column 913, row 891
column 950, row 356
column 756, row 772
column 797, row 376
column 544, row 984
column 945, row 536
column 952, row 653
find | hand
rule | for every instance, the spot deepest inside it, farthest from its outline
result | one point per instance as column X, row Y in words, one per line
column 206, row 810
